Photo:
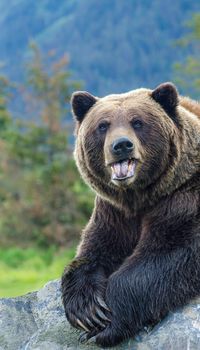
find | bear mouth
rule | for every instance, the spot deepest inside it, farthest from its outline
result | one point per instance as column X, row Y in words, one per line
column 123, row 169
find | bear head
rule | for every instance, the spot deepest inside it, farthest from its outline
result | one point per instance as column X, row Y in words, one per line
column 127, row 141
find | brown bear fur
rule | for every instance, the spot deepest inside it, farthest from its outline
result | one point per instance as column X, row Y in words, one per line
column 139, row 256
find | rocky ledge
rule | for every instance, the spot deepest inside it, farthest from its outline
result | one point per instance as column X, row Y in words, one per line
column 36, row 321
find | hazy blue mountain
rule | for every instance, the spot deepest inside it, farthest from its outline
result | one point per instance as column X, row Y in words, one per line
column 114, row 45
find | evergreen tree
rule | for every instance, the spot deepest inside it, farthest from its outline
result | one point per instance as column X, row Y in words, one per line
column 46, row 201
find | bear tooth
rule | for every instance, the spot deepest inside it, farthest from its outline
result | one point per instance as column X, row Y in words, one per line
column 131, row 169
column 124, row 168
column 117, row 168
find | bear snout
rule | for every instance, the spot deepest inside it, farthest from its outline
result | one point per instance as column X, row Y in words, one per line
column 122, row 147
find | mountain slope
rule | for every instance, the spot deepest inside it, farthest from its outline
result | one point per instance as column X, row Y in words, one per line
column 113, row 45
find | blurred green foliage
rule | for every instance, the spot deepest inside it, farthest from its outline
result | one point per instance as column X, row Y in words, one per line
column 187, row 73
column 23, row 270
column 43, row 200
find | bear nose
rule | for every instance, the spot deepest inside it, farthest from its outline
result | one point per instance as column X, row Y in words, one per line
column 122, row 146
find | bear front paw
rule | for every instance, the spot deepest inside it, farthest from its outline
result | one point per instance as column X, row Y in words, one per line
column 83, row 299
column 118, row 298
column 87, row 312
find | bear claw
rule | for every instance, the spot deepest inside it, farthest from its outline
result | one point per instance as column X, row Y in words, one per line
column 82, row 325
column 102, row 315
column 102, row 303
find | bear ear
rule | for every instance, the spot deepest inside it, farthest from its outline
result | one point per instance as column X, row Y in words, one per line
column 81, row 102
column 166, row 95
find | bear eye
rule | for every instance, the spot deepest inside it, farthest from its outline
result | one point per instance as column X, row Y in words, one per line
column 137, row 124
column 103, row 126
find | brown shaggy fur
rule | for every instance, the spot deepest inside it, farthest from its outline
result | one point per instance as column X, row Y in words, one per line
column 190, row 105
column 139, row 255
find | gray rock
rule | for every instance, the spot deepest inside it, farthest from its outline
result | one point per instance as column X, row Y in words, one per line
column 36, row 321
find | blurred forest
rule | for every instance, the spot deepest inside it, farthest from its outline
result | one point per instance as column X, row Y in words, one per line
column 44, row 203
column 187, row 72
column 38, row 178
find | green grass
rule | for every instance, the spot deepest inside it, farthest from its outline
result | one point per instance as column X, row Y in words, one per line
column 25, row 270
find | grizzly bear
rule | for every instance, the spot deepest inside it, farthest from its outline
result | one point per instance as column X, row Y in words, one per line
column 139, row 257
